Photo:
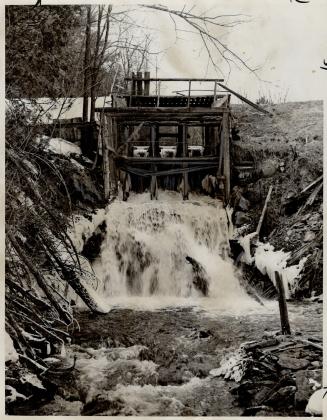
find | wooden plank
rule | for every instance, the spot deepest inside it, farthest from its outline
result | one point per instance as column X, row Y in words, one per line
column 185, row 174
column 153, row 184
column 133, row 89
column 161, row 110
column 139, row 83
column 226, row 154
column 170, row 161
column 264, row 210
column 146, row 83
column 220, row 102
column 176, row 79
column 247, row 101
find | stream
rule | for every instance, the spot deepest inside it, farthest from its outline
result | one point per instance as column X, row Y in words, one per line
column 151, row 354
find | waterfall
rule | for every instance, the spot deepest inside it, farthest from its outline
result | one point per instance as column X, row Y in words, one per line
column 149, row 245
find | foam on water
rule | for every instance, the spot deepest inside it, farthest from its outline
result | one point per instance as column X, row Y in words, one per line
column 143, row 258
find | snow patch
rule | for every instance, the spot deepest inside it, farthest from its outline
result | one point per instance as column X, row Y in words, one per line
column 83, row 228
column 231, row 367
column 10, row 351
column 58, row 146
column 267, row 260
column 32, row 379
column 315, row 403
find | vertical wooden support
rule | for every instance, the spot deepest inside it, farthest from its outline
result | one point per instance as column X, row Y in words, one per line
column 226, row 154
column 179, row 145
column 105, row 158
column 158, row 95
column 146, row 83
column 215, row 92
column 189, row 94
column 185, row 165
column 285, row 325
column 133, row 89
column 113, row 144
column 139, row 84
column 153, row 184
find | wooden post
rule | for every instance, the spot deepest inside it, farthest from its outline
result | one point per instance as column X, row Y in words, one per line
column 133, row 87
column 139, row 84
column 153, row 184
column 286, row 329
column 215, row 92
column 226, row 154
column 264, row 210
column 158, row 95
column 189, row 94
column 105, row 163
column 146, row 83
column 185, row 175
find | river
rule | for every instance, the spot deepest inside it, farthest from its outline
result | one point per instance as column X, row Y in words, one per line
column 151, row 354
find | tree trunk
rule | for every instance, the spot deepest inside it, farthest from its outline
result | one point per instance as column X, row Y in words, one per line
column 87, row 65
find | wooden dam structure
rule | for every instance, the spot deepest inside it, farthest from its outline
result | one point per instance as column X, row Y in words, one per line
column 152, row 141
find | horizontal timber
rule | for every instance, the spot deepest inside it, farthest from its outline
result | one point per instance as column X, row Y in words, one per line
column 163, row 110
column 168, row 161
column 174, row 79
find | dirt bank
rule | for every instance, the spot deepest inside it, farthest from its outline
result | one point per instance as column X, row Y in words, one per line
column 286, row 149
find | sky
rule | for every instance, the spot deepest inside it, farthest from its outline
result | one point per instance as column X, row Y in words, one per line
column 285, row 40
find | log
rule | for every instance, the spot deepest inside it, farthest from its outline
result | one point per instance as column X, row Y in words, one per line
column 285, row 325
column 40, row 280
column 264, row 211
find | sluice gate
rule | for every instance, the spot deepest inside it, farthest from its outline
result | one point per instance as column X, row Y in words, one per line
column 179, row 142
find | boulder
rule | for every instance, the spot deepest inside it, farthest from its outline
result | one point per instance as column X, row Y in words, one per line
column 309, row 236
column 243, row 204
column 283, row 397
column 288, row 362
column 241, row 218
column 307, row 381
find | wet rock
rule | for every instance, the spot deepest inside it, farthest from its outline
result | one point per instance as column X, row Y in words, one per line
column 309, row 236
column 205, row 333
column 243, row 203
column 101, row 404
column 307, row 381
column 241, row 218
column 288, row 362
column 92, row 246
column 283, row 397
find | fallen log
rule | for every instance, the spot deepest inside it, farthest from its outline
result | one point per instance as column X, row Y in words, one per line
column 264, row 210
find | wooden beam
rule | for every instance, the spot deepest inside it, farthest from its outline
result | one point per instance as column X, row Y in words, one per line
column 185, row 174
column 154, row 183
column 133, row 87
column 161, row 110
column 264, row 210
column 226, row 157
column 146, row 83
column 220, row 102
column 139, row 84
column 176, row 79
column 169, row 161
column 247, row 101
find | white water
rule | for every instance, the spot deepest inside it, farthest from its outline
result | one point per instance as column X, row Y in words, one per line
column 143, row 258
